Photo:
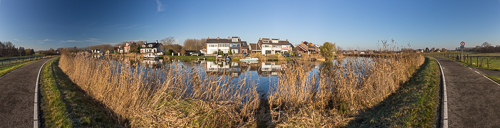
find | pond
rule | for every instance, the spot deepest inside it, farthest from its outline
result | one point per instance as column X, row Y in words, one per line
column 262, row 74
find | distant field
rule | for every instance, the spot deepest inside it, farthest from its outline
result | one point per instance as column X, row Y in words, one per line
column 480, row 60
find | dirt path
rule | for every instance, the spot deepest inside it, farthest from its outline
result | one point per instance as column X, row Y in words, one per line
column 473, row 100
column 17, row 91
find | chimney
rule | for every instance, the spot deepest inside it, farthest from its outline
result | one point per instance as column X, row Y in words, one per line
column 217, row 38
column 228, row 38
column 156, row 41
column 208, row 37
column 286, row 39
column 259, row 39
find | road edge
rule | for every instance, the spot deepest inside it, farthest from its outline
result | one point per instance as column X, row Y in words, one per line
column 35, row 116
column 445, row 99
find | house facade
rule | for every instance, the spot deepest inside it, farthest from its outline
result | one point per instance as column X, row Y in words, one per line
column 254, row 48
column 233, row 44
column 127, row 47
column 306, row 47
column 272, row 46
column 156, row 48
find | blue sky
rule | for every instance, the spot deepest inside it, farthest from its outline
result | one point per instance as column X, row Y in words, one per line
column 352, row 24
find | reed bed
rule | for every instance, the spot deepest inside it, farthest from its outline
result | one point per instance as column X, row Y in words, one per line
column 178, row 97
column 171, row 97
column 334, row 96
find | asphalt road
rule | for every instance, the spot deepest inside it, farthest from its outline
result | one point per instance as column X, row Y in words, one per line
column 17, row 93
column 473, row 100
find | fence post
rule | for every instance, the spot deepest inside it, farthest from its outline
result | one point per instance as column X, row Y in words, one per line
column 488, row 63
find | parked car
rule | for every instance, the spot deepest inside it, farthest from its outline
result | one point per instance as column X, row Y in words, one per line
column 287, row 55
column 195, row 54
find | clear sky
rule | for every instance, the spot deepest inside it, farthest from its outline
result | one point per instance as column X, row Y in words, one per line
column 354, row 24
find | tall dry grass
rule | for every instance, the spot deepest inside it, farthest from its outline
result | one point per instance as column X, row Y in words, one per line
column 171, row 97
column 333, row 96
column 178, row 97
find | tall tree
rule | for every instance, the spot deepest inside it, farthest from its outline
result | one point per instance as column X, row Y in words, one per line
column 328, row 50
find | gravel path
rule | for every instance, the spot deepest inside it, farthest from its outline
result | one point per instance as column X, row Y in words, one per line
column 473, row 100
column 17, row 96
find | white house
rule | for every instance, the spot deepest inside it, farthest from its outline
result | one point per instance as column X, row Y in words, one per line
column 231, row 43
column 272, row 46
column 152, row 48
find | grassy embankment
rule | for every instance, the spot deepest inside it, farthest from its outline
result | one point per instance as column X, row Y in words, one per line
column 4, row 69
column 175, row 97
column 414, row 105
column 66, row 105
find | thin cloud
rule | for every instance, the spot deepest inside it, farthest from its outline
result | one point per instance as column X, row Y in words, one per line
column 46, row 40
column 90, row 24
column 41, row 43
column 67, row 41
column 16, row 40
column 93, row 40
column 160, row 6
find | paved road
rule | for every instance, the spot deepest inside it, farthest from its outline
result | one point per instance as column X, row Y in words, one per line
column 473, row 100
column 17, row 93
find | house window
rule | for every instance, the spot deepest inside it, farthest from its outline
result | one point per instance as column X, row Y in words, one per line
column 275, row 41
column 266, row 41
column 284, row 46
column 235, row 45
column 235, row 39
column 275, row 46
column 223, row 45
column 268, row 51
column 150, row 45
column 212, row 45
column 266, row 46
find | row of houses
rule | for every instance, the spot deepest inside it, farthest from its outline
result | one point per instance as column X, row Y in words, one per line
column 263, row 46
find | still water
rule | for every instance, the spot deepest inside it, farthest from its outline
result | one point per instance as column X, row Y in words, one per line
column 262, row 74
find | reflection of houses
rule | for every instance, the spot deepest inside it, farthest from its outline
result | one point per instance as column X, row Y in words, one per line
column 152, row 48
column 272, row 46
column 231, row 43
column 224, row 68
column 152, row 63
column 306, row 47
column 267, row 68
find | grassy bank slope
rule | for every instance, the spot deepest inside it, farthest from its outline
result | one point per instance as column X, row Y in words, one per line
column 6, row 69
column 66, row 105
column 415, row 104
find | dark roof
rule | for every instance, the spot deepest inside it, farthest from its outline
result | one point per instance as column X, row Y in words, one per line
column 253, row 46
column 244, row 44
column 154, row 45
column 223, row 40
column 281, row 42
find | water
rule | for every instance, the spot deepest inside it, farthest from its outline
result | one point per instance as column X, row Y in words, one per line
column 262, row 74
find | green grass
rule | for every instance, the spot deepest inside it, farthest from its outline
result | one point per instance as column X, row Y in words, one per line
column 189, row 58
column 13, row 57
column 9, row 68
column 53, row 108
column 492, row 64
column 415, row 104
column 66, row 105
column 494, row 78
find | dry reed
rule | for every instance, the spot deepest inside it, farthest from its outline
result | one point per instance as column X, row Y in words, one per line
column 171, row 97
column 179, row 97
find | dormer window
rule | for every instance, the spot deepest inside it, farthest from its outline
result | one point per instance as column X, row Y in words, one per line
column 143, row 45
column 275, row 41
column 235, row 39
column 265, row 41
column 150, row 45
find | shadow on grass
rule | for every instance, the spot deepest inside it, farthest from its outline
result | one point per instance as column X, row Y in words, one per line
column 414, row 104
column 84, row 110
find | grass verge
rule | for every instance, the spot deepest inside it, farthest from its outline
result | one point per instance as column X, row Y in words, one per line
column 188, row 58
column 415, row 104
column 494, row 78
column 6, row 69
column 66, row 105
